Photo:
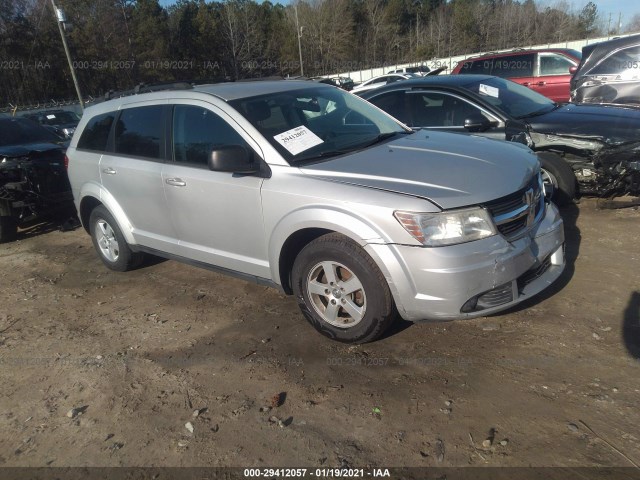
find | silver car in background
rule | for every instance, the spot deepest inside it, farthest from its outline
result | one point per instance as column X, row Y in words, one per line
column 310, row 189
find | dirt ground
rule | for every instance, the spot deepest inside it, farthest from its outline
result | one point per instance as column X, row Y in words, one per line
column 106, row 369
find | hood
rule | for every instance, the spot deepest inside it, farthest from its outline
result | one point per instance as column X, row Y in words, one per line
column 594, row 54
column 610, row 123
column 451, row 170
column 12, row 151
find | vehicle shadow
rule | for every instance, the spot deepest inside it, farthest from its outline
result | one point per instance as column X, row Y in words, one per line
column 631, row 325
column 573, row 238
column 48, row 225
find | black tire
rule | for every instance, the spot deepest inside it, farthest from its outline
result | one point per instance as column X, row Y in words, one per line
column 8, row 229
column 109, row 242
column 350, row 260
column 560, row 174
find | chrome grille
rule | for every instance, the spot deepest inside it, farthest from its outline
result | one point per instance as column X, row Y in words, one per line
column 514, row 214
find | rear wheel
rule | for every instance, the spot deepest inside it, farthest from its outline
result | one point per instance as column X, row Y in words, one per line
column 8, row 229
column 341, row 291
column 110, row 243
column 557, row 175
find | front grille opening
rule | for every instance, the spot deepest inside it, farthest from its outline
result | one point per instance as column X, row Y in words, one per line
column 533, row 273
column 492, row 298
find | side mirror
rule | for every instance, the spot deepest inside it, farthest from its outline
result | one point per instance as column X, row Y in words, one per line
column 232, row 158
column 477, row 123
column 573, row 70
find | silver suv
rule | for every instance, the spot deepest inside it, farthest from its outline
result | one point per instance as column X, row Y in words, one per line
column 312, row 190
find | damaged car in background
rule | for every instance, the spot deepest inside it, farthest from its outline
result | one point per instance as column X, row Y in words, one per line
column 33, row 177
column 583, row 149
column 609, row 72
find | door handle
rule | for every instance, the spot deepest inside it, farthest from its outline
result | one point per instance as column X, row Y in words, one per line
column 176, row 182
column 526, row 84
column 541, row 84
column 109, row 171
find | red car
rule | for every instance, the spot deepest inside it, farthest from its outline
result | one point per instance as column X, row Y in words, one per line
column 547, row 71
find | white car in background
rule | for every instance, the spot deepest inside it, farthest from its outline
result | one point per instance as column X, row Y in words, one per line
column 381, row 81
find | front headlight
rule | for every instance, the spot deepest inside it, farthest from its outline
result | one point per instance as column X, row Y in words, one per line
column 447, row 228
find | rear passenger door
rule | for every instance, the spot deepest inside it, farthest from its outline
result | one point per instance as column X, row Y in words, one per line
column 217, row 215
column 131, row 172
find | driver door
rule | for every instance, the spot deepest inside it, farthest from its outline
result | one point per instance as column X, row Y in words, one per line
column 217, row 215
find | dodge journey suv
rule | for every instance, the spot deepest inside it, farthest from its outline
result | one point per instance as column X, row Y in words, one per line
column 312, row 190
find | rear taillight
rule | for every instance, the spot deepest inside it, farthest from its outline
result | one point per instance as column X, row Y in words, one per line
column 66, row 162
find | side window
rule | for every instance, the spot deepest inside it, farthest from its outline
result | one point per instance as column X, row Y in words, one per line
column 431, row 109
column 393, row 103
column 554, row 64
column 139, row 130
column 626, row 62
column 96, row 133
column 197, row 131
column 513, row 66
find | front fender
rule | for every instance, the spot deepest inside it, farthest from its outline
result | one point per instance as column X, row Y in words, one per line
column 324, row 217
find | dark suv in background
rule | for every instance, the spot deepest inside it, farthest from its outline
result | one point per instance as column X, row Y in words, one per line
column 546, row 71
column 61, row 122
column 33, row 177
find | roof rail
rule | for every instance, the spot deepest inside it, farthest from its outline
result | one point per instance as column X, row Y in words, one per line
column 144, row 88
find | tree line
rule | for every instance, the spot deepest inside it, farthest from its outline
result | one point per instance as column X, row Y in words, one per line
column 116, row 44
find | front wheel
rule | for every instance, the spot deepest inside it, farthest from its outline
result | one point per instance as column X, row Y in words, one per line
column 557, row 176
column 341, row 291
column 110, row 243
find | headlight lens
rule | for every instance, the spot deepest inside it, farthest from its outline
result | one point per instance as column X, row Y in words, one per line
column 447, row 228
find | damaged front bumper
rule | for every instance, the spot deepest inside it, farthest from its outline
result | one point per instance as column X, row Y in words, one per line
column 476, row 278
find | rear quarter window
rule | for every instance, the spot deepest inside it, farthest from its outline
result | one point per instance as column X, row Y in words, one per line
column 512, row 66
column 96, row 133
column 482, row 67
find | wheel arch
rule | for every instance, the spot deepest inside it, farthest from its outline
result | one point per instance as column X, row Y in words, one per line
column 300, row 228
column 93, row 195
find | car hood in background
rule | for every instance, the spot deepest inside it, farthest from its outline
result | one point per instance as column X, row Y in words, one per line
column 12, row 151
column 451, row 170
column 611, row 124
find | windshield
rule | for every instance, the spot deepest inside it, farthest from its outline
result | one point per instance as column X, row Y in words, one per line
column 59, row 118
column 317, row 122
column 18, row 131
column 510, row 97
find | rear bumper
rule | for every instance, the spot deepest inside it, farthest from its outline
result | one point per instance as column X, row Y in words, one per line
column 476, row 278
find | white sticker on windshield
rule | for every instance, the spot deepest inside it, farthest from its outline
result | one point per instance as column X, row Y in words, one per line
column 488, row 90
column 51, row 117
column 298, row 139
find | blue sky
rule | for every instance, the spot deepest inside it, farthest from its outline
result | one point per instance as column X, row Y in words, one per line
column 605, row 7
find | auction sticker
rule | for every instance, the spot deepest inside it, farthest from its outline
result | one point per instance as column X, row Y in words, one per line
column 298, row 139
column 488, row 90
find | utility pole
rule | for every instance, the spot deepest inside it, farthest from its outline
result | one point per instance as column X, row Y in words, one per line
column 619, row 22
column 59, row 14
column 299, row 33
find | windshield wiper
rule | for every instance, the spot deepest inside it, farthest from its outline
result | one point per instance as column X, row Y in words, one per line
column 542, row 111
